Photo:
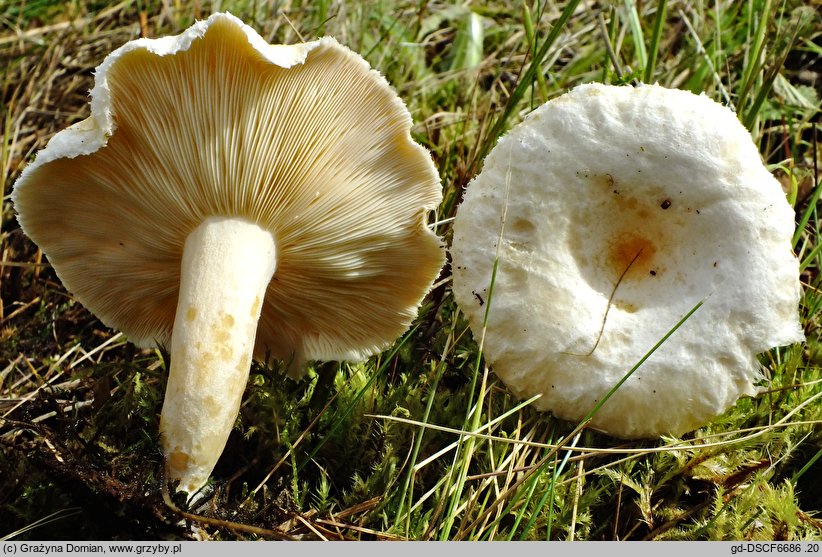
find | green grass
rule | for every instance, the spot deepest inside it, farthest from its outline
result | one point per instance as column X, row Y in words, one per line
column 422, row 442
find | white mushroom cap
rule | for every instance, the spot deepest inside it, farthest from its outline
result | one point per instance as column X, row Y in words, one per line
column 220, row 180
column 623, row 209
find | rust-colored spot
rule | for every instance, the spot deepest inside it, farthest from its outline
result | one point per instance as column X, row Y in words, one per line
column 632, row 250
column 228, row 320
column 622, row 236
column 605, row 181
column 255, row 307
column 178, row 460
column 522, row 226
column 221, row 335
column 212, row 405
column 191, row 314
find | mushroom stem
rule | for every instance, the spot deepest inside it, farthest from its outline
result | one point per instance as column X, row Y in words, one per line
column 227, row 265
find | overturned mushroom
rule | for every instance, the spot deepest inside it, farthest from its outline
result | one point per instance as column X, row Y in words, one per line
column 235, row 199
column 617, row 211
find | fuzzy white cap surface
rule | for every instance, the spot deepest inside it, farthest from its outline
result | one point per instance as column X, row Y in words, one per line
column 623, row 209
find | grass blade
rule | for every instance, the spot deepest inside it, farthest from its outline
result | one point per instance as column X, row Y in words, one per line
column 636, row 30
column 659, row 23
column 528, row 76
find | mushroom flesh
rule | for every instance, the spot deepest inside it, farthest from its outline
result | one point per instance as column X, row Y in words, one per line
column 613, row 212
column 234, row 199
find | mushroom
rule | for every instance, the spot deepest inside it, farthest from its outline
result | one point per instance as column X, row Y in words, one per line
column 235, row 199
column 612, row 213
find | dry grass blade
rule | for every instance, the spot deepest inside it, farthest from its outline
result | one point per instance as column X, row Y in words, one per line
column 53, row 517
column 359, row 529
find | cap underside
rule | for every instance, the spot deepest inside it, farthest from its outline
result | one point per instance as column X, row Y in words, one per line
column 320, row 154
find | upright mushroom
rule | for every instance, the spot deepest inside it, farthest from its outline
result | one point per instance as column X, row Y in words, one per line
column 617, row 210
column 234, row 199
